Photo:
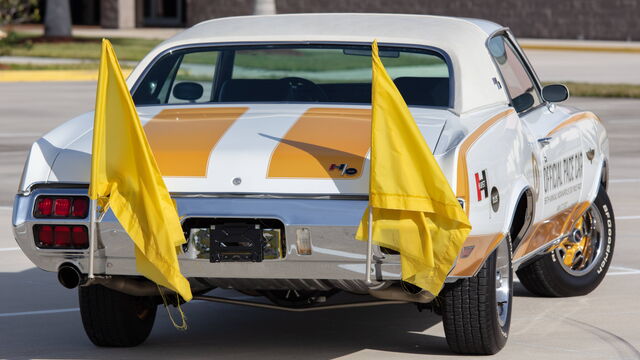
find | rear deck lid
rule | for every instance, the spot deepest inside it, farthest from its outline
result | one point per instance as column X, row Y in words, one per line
column 262, row 149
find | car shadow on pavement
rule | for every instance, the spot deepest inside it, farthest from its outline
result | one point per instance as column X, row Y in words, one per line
column 215, row 330
column 520, row 291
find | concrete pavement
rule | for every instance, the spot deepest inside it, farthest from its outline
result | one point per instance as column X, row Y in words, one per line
column 40, row 319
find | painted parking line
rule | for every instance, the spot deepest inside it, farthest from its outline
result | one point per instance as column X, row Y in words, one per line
column 39, row 312
column 613, row 271
column 622, row 181
column 622, row 121
column 633, row 217
column 20, row 134
column 621, row 270
column 9, row 249
column 6, row 207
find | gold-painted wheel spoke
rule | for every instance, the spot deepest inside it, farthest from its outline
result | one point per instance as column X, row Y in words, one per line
column 570, row 255
column 574, row 251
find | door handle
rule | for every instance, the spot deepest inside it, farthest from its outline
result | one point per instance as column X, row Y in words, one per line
column 545, row 141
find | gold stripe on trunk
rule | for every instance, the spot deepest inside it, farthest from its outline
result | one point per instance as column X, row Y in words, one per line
column 182, row 139
column 323, row 137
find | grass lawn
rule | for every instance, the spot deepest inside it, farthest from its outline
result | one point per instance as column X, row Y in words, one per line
column 603, row 90
column 79, row 47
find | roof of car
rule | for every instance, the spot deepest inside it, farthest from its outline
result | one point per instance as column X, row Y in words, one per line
column 344, row 26
column 461, row 38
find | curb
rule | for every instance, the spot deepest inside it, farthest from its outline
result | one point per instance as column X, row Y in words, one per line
column 51, row 75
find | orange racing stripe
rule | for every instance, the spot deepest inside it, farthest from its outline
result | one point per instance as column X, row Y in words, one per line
column 573, row 119
column 182, row 139
column 320, row 138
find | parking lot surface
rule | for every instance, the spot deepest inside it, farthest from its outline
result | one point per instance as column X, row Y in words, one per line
column 40, row 319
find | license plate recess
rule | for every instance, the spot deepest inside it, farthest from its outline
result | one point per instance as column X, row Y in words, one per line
column 236, row 242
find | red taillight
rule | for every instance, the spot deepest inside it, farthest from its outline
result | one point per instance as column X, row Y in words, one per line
column 45, row 236
column 79, row 237
column 44, row 206
column 80, row 207
column 62, row 237
column 62, row 207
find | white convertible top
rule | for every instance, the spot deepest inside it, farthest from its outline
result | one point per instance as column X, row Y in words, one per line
column 461, row 38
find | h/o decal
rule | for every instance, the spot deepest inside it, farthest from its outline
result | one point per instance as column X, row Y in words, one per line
column 344, row 169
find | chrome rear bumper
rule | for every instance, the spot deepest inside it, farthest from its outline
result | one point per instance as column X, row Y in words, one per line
column 335, row 255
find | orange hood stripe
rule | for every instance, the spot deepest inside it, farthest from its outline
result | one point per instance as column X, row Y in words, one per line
column 183, row 139
column 320, row 138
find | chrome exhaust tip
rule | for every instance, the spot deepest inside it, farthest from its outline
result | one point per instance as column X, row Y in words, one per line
column 69, row 276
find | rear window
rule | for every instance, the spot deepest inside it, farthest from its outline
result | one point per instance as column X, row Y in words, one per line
column 288, row 73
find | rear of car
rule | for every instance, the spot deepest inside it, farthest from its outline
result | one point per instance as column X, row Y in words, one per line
column 264, row 148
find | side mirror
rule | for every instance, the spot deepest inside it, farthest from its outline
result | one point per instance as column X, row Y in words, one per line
column 555, row 93
column 189, row 91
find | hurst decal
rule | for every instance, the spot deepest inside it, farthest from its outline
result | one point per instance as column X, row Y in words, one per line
column 563, row 177
column 481, row 185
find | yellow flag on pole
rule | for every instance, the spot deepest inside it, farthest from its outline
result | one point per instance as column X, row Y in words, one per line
column 414, row 209
column 124, row 175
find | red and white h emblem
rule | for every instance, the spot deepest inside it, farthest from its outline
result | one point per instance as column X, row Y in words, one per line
column 481, row 185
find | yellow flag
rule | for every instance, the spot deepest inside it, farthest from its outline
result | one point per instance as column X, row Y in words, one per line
column 124, row 173
column 414, row 209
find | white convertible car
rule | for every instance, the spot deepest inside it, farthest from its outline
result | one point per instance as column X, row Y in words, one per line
column 261, row 129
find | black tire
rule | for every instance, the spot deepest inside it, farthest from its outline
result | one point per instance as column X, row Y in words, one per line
column 547, row 276
column 113, row 319
column 470, row 313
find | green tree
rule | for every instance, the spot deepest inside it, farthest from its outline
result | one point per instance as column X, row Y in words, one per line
column 18, row 11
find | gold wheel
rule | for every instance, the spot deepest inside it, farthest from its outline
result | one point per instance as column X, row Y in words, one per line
column 580, row 251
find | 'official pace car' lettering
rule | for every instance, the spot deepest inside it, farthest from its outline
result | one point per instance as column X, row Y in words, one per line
column 563, row 177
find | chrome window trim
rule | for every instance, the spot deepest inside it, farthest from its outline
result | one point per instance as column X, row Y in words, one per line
column 506, row 32
column 437, row 50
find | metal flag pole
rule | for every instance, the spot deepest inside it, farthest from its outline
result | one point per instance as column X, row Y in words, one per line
column 369, row 246
column 92, row 235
